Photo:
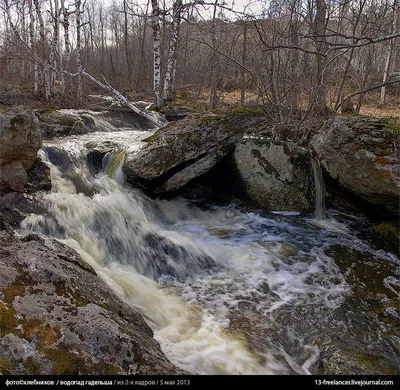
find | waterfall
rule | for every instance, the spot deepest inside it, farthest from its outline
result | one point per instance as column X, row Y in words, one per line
column 112, row 165
column 200, row 277
column 320, row 212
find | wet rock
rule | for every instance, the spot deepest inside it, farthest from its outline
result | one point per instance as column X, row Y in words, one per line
column 336, row 361
column 181, row 151
column 20, row 141
column 361, row 154
column 14, row 207
column 39, row 177
column 274, row 174
column 19, row 138
column 12, row 176
column 175, row 113
column 58, row 123
column 57, row 317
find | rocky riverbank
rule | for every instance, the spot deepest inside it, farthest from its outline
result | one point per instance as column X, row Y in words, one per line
column 58, row 316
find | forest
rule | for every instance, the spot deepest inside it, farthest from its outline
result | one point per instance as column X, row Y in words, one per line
column 296, row 58
column 200, row 188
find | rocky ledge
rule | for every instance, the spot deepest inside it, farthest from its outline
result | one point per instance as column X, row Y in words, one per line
column 58, row 317
column 362, row 155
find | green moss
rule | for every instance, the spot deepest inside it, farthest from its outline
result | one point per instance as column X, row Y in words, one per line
column 388, row 232
column 370, row 363
column 210, row 119
column 198, row 108
column 80, row 300
column 5, row 367
column 387, row 228
column 13, row 291
column 66, row 359
column 67, row 129
column 105, row 368
column 66, row 121
column 152, row 138
column 393, row 125
column 8, row 320
column 62, row 290
column 230, row 115
column 239, row 111
column 33, row 366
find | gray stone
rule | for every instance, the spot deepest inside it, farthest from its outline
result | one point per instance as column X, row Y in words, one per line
column 362, row 155
column 179, row 152
column 20, row 141
column 64, row 122
column 58, row 317
column 12, row 176
column 274, row 174
column 19, row 138
column 194, row 170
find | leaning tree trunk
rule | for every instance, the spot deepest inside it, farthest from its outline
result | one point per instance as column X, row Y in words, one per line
column 156, row 53
column 169, row 82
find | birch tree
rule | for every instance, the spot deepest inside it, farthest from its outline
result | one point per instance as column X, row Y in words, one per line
column 32, row 36
column 170, row 75
column 79, row 11
column 44, row 55
column 156, row 53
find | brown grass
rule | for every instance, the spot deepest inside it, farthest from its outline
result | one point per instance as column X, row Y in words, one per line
column 370, row 107
column 390, row 110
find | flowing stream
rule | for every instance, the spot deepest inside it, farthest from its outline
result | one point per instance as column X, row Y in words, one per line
column 227, row 290
column 320, row 212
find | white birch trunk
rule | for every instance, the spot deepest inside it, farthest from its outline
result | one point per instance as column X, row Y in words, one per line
column 45, row 69
column 156, row 53
column 33, row 46
column 78, row 4
column 169, row 82
column 65, row 24
column 124, row 100
column 55, row 47
column 67, row 47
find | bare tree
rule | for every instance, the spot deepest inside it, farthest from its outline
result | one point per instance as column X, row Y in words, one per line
column 169, row 82
column 389, row 54
column 156, row 53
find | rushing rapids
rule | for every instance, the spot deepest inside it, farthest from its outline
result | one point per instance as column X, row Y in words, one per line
column 227, row 291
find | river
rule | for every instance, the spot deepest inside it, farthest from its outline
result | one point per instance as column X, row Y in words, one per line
column 227, row 290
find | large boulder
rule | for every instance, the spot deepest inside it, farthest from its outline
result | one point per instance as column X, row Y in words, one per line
column 273, row 174
column 56, row 123
column 361, row 154
column 182, row 151
column 58, row 317
column 60, row 123
column 20, row 140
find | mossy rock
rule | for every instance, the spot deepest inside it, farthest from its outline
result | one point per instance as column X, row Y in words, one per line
column 57, row 317
column 389, row 232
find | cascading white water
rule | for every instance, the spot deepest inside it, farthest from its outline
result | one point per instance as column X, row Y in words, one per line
column 320, row 212
column 196, row 275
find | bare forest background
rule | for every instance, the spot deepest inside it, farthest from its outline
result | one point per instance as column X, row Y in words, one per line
column 297, row 58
